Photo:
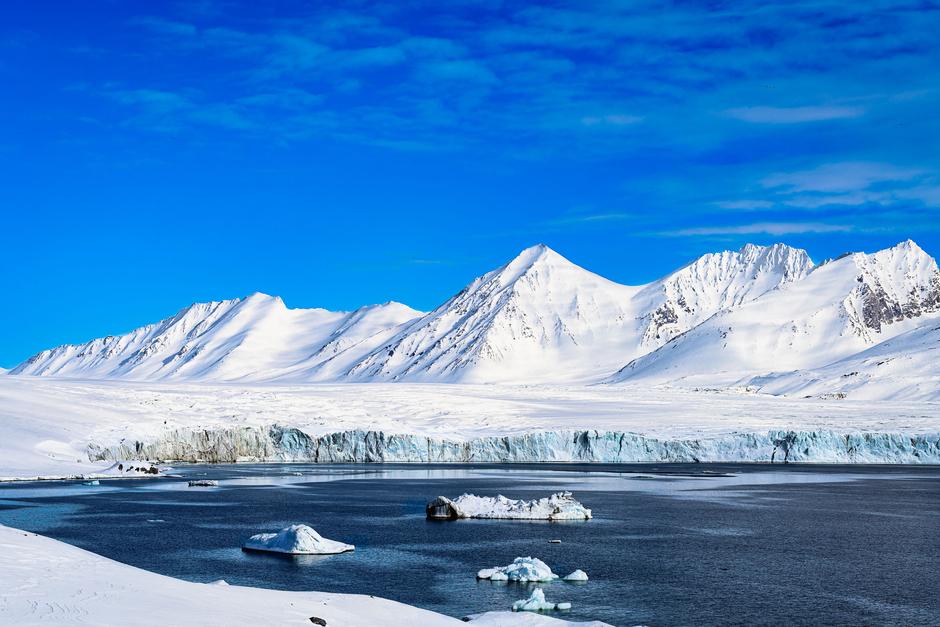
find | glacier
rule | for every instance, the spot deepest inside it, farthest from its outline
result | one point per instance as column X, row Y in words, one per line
column 277, row 443
column 64, row 428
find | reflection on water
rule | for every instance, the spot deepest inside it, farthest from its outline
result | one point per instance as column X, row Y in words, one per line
column 669, row 544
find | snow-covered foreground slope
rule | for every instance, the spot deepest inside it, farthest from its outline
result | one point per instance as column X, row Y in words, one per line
column 50, row 427
column 841, row 308
column 47, row 582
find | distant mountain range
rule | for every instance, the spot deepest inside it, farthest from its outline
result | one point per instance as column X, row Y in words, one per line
column 766, row 318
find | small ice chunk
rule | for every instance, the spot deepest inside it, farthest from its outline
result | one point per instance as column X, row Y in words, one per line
column 92, row 482
column 522, row 569
column 578, row 575
column 296, row 540
column 537, row 603
column 203, row 483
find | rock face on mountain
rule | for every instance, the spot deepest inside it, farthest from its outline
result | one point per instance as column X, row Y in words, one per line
column 722, row 319
column 838, row 309
column 715, row 282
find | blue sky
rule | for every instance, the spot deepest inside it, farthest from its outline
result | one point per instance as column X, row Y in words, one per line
column 156, row 154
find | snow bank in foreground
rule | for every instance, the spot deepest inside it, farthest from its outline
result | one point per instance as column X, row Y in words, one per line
column 522, row 569
column 558, row 506
column 296, row 540
column 66, row 577
column 537, row 603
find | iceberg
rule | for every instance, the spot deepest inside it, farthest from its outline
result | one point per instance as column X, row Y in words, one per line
column 558, row 506
column 296, row 540
column 522, row 569
column 537, row 603
column 203, row 483
column 578, row 575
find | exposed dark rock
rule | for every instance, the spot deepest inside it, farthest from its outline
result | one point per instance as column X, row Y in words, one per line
column 441, row 508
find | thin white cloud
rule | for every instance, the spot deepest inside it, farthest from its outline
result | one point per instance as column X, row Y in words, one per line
column 746, row 205
column 615, row 119
column 793, row 115
column 842, row 177
column 763, row 228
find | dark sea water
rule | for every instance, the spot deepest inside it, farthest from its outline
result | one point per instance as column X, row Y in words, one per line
column 669, row 545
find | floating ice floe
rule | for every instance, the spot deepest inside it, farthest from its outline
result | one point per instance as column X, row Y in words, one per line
column 578, row 575
column 558, row 506
column 296, row 540
column 522, row 569
column 537, row 603
column 203, row 483
column 92, row 482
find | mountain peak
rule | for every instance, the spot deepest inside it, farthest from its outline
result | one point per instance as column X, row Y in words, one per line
column 530, row 259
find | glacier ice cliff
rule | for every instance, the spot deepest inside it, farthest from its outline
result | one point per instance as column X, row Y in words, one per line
column 278, row 443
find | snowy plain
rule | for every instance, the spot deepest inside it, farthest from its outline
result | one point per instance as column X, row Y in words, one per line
column 51, row 425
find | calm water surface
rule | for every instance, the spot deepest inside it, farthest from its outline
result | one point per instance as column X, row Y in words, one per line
column 669, row 545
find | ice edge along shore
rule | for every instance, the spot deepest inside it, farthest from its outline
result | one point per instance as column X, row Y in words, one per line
column 286, row 444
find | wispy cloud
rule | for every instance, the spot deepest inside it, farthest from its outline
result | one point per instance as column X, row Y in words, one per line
column 611, row 119
column 762, row 228
column 793, row 115
column 556, row 75
column 848, row 176
column 593, row 218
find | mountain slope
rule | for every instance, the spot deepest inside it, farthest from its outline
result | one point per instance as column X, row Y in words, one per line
column 903, row 367
column 715, row 282
column 250, row 338
column 519, row 322
column 840, row 308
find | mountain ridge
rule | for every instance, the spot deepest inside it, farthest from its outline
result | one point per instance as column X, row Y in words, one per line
column 541, row 318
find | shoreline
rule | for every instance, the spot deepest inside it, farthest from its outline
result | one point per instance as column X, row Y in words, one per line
column 38, row 576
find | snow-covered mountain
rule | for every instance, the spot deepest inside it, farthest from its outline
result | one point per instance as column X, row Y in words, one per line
column 251, row 338
column 541, row 318
column 715, row 282
column 725, row 318
column 838, row 309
